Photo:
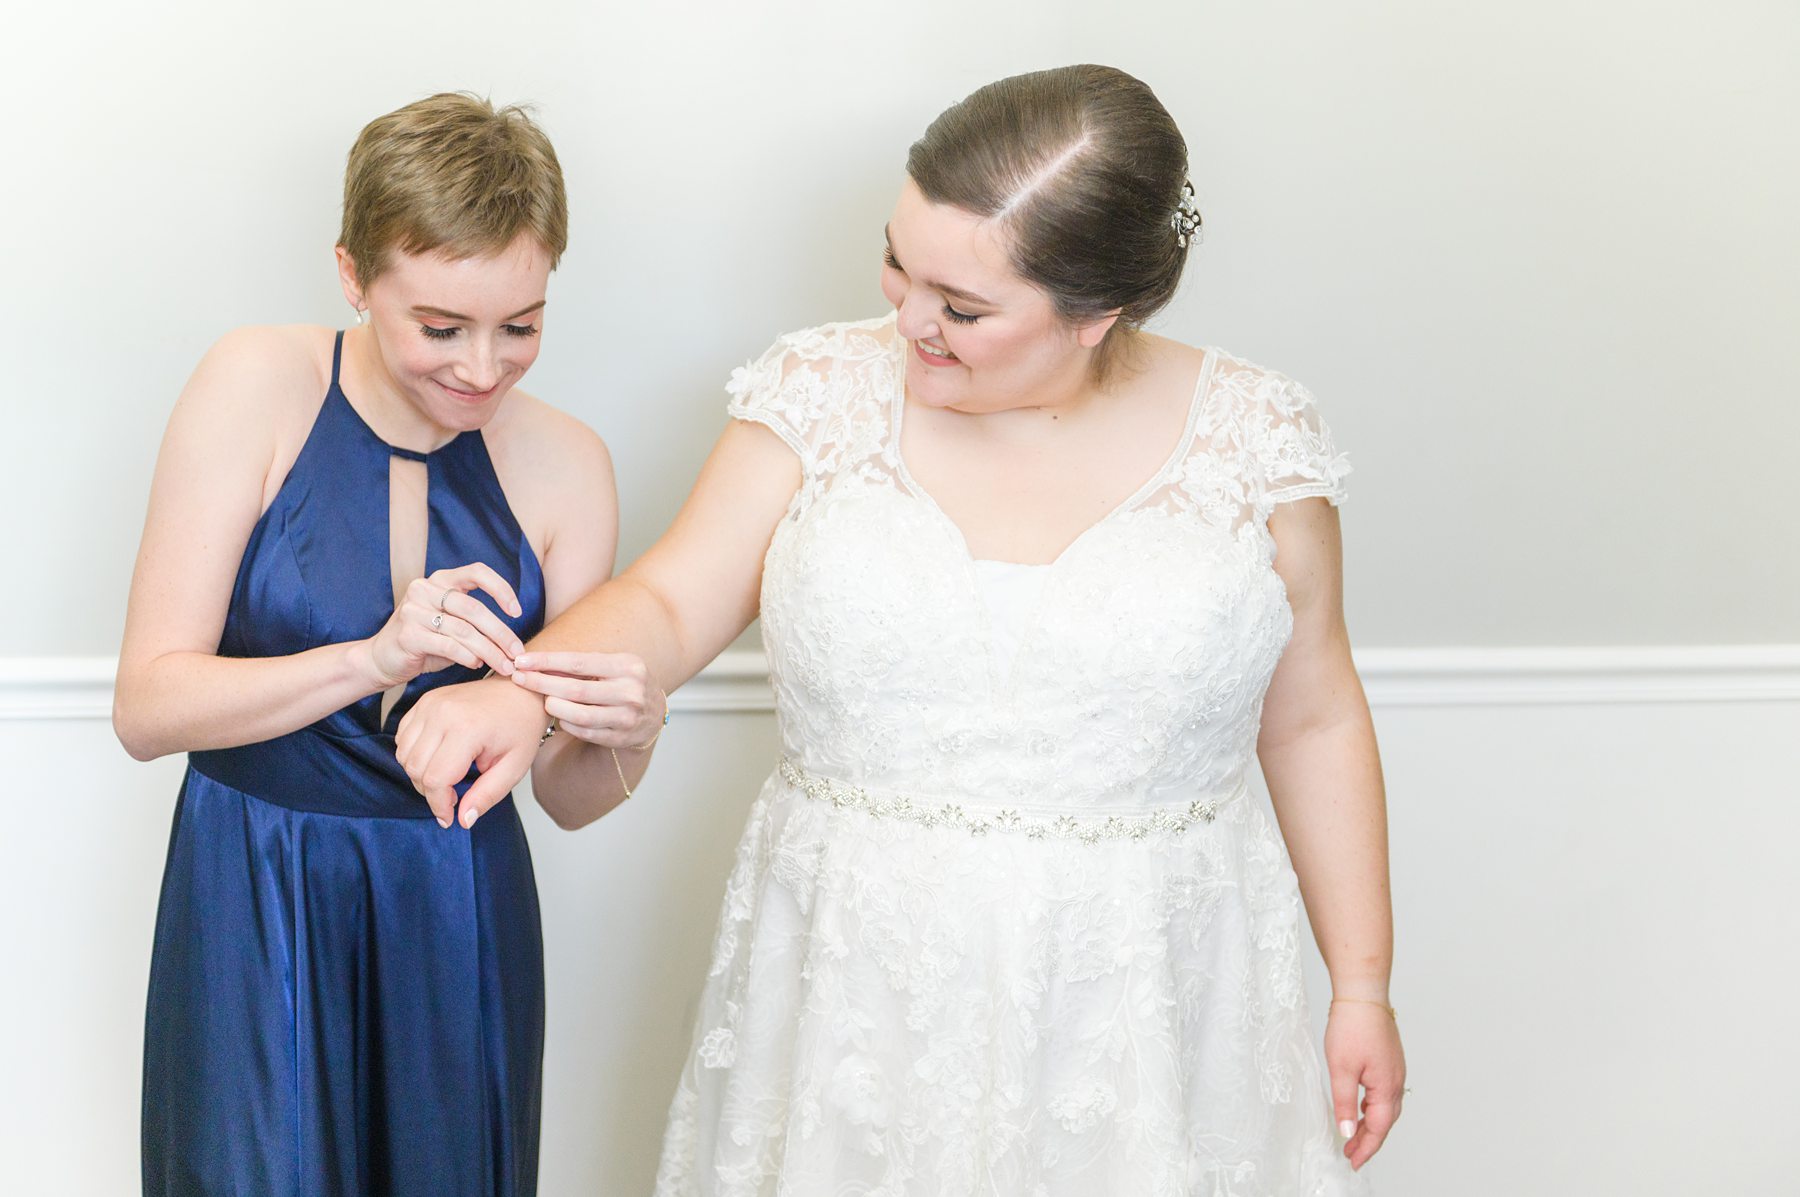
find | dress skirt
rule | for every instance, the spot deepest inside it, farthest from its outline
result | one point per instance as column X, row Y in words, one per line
column 342, row 1004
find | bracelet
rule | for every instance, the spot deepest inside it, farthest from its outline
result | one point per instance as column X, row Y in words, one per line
column 549, row 731
column 1370, row 1002
column 620, row 770
column 647, row 744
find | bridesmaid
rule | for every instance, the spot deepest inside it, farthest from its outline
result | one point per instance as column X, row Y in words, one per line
column 346, row 988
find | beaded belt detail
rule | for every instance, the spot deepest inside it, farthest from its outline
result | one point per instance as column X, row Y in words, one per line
column 1159, row 823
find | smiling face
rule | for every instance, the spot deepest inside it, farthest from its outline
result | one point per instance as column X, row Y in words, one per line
column 454, row 335
column 982, row 338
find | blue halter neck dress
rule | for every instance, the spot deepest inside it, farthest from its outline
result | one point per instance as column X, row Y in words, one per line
column 346, row 998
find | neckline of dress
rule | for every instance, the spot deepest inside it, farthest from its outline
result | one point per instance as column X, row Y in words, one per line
column 896, row 423
column 337, row 388
column 995, row 564
column 393, row 449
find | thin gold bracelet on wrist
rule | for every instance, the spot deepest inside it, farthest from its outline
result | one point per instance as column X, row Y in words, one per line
column 620, row 770
column 1392, row 1013
column 644, row 747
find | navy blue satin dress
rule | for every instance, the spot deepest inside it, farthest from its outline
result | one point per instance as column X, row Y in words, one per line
column 345, row 998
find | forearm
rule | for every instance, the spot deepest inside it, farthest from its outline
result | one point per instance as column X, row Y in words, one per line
column 1326, row 786
column 626, row 615
column 577, row 783
column 194, row 701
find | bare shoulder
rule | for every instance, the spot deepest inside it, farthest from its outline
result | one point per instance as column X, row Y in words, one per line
column 232, row 437
column 1164, row 372
column 270, row 377
column 1165, row 354
column 268, row 363
column 556, row 472
column 257, row 392
column 530, row 436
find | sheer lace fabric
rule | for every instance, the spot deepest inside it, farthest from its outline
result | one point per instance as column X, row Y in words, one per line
column 1051, row 950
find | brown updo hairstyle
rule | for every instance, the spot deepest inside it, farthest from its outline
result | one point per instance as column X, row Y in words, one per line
column 1084, row 168
column 453, row 175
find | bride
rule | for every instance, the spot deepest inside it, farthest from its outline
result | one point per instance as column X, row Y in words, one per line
column 1036, row 587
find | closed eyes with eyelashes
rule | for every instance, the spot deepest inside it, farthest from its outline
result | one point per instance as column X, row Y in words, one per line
column 433, row 333
column 950, row 313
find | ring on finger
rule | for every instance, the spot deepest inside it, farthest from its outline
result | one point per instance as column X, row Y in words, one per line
column 444, row 598
column 437, row 621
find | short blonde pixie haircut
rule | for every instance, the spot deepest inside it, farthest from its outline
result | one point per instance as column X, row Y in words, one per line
column 450, row 174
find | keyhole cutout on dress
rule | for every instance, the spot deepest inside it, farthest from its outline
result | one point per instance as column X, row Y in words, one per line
column 409, row 516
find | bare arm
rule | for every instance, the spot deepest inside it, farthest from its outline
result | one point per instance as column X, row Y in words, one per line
column 174, row 693
column 1318, row 754
column 675, row 609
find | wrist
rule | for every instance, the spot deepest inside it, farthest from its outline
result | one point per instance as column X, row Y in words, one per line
column 1361, row 989
column 657, row 725
column 516, row 696
column 359, row 659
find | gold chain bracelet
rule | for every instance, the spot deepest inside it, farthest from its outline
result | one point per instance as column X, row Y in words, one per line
column 620, row 769
column 1392, row 1013
column 644, row 747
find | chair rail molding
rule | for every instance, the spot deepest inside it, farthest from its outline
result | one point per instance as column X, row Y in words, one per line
column 57, row 688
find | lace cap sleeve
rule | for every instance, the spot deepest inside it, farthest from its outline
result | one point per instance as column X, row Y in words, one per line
column 1293, row 451
column 783, row 392
column 822, row 390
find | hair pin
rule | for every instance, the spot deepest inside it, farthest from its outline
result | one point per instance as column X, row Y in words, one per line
column 1186, row 219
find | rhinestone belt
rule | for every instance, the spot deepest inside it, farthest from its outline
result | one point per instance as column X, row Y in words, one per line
column 1154, row 823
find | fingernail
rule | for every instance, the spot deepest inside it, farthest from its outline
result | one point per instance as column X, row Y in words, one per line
column 1347, row 1128
column 469, row 816
column 444, row 823
column 524, row 661
column 506, row 668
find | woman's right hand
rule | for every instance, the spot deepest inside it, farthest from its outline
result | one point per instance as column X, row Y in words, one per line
column 439, row 623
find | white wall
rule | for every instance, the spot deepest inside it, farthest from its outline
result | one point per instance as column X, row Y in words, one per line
column 1537, row 260
column 1592, row 881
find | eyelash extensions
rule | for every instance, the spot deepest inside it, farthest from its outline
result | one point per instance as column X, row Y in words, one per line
column 950, row 313
column 433, row 333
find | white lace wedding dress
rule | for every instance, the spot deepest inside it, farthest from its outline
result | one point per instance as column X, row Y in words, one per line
column 1012, row 928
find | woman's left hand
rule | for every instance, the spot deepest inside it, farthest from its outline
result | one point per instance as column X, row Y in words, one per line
column 603, row 698
column 1362, row 1050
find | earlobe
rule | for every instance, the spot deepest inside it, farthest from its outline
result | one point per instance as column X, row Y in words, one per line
column 1090, row 335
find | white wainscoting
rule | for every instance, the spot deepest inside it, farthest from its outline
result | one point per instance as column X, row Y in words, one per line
column 1593, row 888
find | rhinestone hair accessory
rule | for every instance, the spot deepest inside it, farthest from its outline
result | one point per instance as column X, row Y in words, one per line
column 1186, row 219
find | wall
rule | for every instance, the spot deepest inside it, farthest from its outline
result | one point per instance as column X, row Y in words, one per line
column 1591, row 880
column 1535, row 259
